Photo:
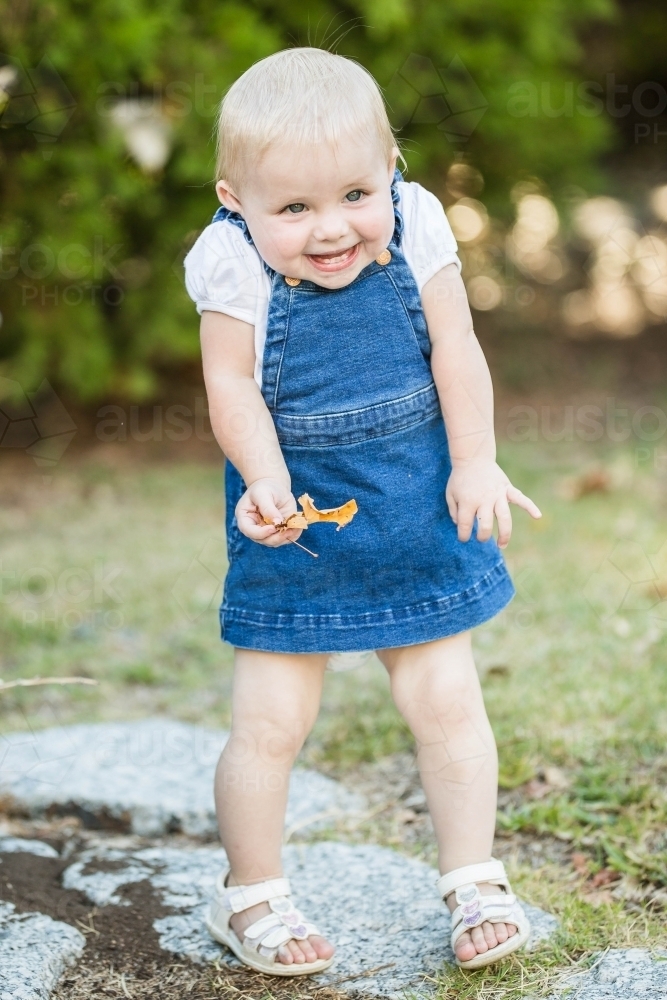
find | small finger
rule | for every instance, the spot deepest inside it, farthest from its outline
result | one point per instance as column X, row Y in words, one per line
column 452, row 507
column 283, row 537
column 269, row 512
column 517, row 497
column 257, row 532
column 504, row 518
column 465, row 523
column 262, row 506
column 484, row 523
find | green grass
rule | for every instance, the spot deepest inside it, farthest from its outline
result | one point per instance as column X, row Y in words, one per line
column 573, row 670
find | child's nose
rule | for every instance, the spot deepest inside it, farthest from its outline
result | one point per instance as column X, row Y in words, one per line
column 329, row 227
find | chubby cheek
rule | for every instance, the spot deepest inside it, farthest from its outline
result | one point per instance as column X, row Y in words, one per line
column 376, row 227
column 279, row 245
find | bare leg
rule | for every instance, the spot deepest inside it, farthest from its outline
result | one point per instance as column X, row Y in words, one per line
column 275, row 702
column 436, row 688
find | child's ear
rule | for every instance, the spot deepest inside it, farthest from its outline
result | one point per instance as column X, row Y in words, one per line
column 392, row 162
column 227, row 197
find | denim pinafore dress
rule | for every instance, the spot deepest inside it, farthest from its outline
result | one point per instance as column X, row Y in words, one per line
column 347, row 380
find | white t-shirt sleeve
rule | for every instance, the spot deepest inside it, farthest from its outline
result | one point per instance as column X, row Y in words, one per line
column 428, row 241
column 224, row 273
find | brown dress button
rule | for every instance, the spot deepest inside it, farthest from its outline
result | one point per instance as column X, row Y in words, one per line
column 383, row 258
column 293, row 282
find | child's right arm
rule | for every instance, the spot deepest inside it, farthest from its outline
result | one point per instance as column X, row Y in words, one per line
column 244, row 429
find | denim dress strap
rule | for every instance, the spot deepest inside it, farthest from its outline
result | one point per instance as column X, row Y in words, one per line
column 226, row 215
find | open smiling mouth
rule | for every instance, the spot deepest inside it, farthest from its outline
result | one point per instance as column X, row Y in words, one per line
column 334, row 261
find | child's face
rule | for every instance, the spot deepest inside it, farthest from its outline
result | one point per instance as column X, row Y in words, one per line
column 320, row 214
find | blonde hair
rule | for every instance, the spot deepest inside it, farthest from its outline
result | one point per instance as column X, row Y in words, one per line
column 298, row 96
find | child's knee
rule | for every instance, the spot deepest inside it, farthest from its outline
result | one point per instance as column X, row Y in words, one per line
column 265, row 742
column 436, row 703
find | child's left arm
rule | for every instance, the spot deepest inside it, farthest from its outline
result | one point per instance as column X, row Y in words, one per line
column 477, row 487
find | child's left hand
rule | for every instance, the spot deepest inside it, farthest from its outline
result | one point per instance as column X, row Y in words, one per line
column 481, row 489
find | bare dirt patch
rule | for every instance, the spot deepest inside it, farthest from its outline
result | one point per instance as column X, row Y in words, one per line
column 122, row 957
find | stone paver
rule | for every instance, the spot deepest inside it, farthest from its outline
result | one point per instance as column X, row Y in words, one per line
column 620, row 974
column 154, row 774
column 13, row 845
column 379, row 907
column 34, row 952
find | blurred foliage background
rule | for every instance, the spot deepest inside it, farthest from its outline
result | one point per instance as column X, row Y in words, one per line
column 541, row 124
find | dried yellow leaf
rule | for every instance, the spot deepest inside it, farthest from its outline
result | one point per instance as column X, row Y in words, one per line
column 341, row 515
column 310, row 514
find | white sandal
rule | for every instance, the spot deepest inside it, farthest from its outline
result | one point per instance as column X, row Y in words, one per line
column 262, row 939
column 474, row 908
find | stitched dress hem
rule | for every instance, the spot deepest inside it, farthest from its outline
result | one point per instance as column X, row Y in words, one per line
column 303, row 633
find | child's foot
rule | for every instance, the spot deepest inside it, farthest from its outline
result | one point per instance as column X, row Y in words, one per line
column 486, row 936
column 309, row 950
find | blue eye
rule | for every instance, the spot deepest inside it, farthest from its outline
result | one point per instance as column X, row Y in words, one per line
column 297, row 207
column 354, row 195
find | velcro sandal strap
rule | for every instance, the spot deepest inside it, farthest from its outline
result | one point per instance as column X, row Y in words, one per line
column 268, row 934
column 285, row 915
column 240, row 897
column 257, row 930
column 488, row 871
column 510, row 913
column 474, row 908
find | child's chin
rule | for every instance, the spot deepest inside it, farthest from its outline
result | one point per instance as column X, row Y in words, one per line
column 337, row 280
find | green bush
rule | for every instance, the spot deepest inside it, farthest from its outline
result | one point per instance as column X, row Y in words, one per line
column 92, row 297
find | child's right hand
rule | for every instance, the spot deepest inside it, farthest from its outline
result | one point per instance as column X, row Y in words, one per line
column 266, row 498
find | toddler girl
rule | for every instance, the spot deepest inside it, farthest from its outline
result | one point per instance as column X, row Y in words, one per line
column 336, row 336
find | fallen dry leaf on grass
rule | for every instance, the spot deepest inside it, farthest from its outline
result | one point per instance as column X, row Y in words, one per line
column 595, row 480
column 606, row 876
column 310, row 514
column 580, row 863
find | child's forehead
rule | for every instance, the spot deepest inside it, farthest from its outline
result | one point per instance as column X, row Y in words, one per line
column 318, row 165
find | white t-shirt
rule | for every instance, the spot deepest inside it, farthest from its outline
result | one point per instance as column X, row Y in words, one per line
column 224, row 273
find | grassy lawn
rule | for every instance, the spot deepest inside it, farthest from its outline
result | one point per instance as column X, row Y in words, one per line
column 110, row 570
